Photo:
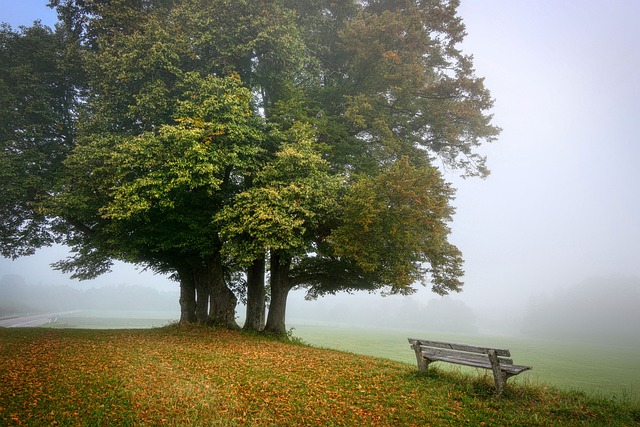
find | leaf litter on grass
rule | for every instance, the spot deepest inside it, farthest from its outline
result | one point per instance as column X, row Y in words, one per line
column 191, row 376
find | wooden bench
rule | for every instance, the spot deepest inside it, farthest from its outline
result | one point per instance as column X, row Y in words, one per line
column 497, row 360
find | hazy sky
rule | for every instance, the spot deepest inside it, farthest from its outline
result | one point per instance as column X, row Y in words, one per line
column 562, row 202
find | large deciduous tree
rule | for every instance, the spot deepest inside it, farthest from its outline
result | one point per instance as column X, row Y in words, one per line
column 217, row 137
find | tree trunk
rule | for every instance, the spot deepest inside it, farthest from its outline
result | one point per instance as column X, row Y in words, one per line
column 280, row 287
column 187, row 298
column 223, row 308
column 256, row 296
column 222, row 311
column 215, row 302
column 202, row 294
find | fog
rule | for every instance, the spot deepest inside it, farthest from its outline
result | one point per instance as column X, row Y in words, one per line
column 551, row 239
column 601, row 310
column 18, row 297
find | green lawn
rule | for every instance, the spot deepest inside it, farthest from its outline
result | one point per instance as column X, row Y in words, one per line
column 604, row 370
column 115, row 319
column 198, row 376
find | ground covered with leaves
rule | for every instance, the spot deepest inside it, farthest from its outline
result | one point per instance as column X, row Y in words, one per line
column 198, row 376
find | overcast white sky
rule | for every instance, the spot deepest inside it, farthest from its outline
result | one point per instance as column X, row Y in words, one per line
column 562, row 202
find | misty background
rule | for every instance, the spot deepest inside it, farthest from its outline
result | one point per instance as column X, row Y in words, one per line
column 551, row 238
column 601, row 310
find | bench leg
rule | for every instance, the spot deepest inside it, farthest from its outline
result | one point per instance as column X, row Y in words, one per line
column 422, row 362
column 499, row 377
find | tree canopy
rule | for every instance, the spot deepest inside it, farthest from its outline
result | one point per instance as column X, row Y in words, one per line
column 207, row 139
column 39, row 85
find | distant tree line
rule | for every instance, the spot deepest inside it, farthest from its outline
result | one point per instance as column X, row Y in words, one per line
column 441, row 314
column 600, row 310
column 18, row 297
column 244, row 148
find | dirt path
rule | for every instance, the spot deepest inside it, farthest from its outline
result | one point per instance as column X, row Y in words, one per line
column 32, row 321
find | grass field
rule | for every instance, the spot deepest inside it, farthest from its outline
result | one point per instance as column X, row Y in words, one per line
column 600, row 370
column 198, row 376
column 116, row 319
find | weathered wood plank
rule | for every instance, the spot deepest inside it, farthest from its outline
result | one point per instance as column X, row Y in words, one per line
column 431, row 351
column 473, row 363
column 460, row 347
column 510, row 369
column 515, row 369
column 498, row 377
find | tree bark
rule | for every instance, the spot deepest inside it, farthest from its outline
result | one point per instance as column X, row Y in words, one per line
column 256, row 296
column 223, row 301
column 215, row 302
column 202, row 294
column 187, row 298
column 280, row 287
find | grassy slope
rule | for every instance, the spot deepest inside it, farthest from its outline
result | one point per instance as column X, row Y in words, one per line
column 599, row 370
column 199, row 376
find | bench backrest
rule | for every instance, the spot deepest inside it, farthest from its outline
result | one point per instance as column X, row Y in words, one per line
column 468, row 352
column 460, row 347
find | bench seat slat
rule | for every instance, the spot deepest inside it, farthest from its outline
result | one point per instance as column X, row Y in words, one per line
column 429, row 351
column 511, row 369
column 458, row 361
column 514, row 369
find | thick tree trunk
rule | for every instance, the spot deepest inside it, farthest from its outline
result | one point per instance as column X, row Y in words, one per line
column 215, row 302
column 256, row 296
column 201, row 279
column 187, row 298
column 223, row 301
column 223, row 308
column 280, row 287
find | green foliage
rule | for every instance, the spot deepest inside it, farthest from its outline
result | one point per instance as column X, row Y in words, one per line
column 395, row 222
column 37, row 107
column 291, row 197
column 397, row 84
column 216, row 131
column 134, row 71
column 158, row 191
